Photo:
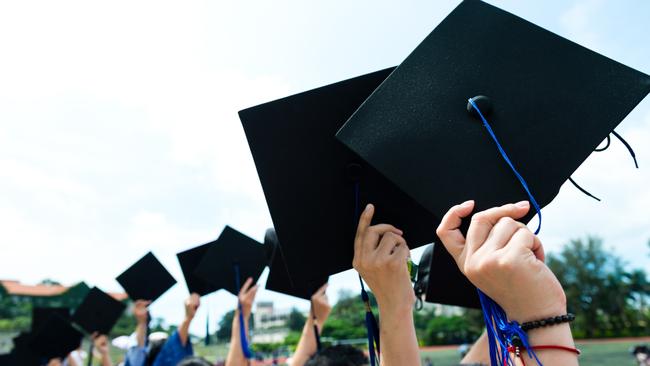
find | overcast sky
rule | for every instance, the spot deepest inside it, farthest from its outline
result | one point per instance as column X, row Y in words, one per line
column 119, row 131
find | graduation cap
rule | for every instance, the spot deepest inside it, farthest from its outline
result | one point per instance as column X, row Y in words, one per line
column 189, row 261
column 98, row 312
column 146, row 279
column 232, row 254
column 315, row 187
column 22, row 354
column 279, row 279
column 40, row 315
column 549, row 101
column 56, row 338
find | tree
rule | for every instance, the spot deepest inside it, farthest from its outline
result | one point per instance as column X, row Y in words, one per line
column 347, row 319
column 225, row 326
column 608, row 300
column 296, row 320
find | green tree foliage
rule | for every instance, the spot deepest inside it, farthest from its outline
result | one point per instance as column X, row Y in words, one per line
column 347, row 319
column 225, row 326
column 608, row 299
column 296, row 320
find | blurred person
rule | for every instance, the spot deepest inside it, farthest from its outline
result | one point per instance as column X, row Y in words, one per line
column 161, row 352
column 245, row 300
column 340, row 355
column 194, row 361
column 641, row 355
column 320, row 311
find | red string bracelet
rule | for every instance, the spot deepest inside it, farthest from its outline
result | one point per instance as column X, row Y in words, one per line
column 517, row 351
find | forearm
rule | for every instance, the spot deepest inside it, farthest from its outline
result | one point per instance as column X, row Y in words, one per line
column 184, row 331
column 479, row 353
column 307, row 345
column 106, row 360
column 236, row 356
column 399, row 344
column 141, row 333
column 557, row 335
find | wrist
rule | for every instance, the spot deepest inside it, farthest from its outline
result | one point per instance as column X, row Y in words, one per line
column 524, row 314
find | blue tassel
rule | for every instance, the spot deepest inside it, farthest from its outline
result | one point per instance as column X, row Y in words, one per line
column 501, row 332
column 242, row 330
column 372, row 328
column 487, row 126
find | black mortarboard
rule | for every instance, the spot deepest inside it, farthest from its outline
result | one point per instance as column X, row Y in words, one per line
column 22, row 354
column 549, row 101
column 189, row 261
column 232, row 249
column 146, row 279
column 56, row 338
column 98, row 312
column 315, row 187
column 8, row 359
column 279, row 279
column 40, row 315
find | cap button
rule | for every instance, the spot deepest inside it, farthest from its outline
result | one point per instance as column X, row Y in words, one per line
column 483, row 103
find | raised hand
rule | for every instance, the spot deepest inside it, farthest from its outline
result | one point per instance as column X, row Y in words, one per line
column 504, row 259
column 247, row 296
column 380, row 256
column 192, row 304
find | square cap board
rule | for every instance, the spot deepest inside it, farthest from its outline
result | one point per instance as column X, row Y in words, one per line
column 549, row 101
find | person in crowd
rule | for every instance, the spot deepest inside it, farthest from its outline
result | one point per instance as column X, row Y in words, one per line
column 338, row 355
column 320, row 311
column 194, row 361
column 100, row 343
column 246, row 297
column 161, row 353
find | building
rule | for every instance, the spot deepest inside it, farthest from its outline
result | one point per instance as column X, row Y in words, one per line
column 270, row 324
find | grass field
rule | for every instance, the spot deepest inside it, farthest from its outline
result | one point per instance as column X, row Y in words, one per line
column 593, row 354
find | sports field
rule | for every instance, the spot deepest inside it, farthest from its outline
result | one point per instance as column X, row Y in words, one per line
column 594, row 353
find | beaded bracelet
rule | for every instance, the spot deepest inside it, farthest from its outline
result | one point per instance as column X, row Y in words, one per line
column 554, row 320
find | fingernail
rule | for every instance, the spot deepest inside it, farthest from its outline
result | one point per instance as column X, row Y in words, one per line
column 467, row 204
column 522, row 204
column 368, row 206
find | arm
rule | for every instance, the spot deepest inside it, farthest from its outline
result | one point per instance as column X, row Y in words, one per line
column 101, row 345
column 380, row 256
column 505, row 260
column 246, row 297
column 141, row 314
column 479, row 353
column 320, row 310
column 191, row 305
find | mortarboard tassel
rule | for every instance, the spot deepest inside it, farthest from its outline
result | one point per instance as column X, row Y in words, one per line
column 501, row 332
column 91, row 349
column 316, row 335
column 242, row 330
column 207, row 326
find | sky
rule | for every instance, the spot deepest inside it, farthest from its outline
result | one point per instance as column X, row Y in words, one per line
column 119, row 131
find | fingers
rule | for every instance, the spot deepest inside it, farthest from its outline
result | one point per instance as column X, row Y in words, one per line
column 389, row 242
column 448, row 231
column 483, row 222
column 246, row 286
column 501, row 233
column 364, row 223
column 322, row 291
column 538, row 249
